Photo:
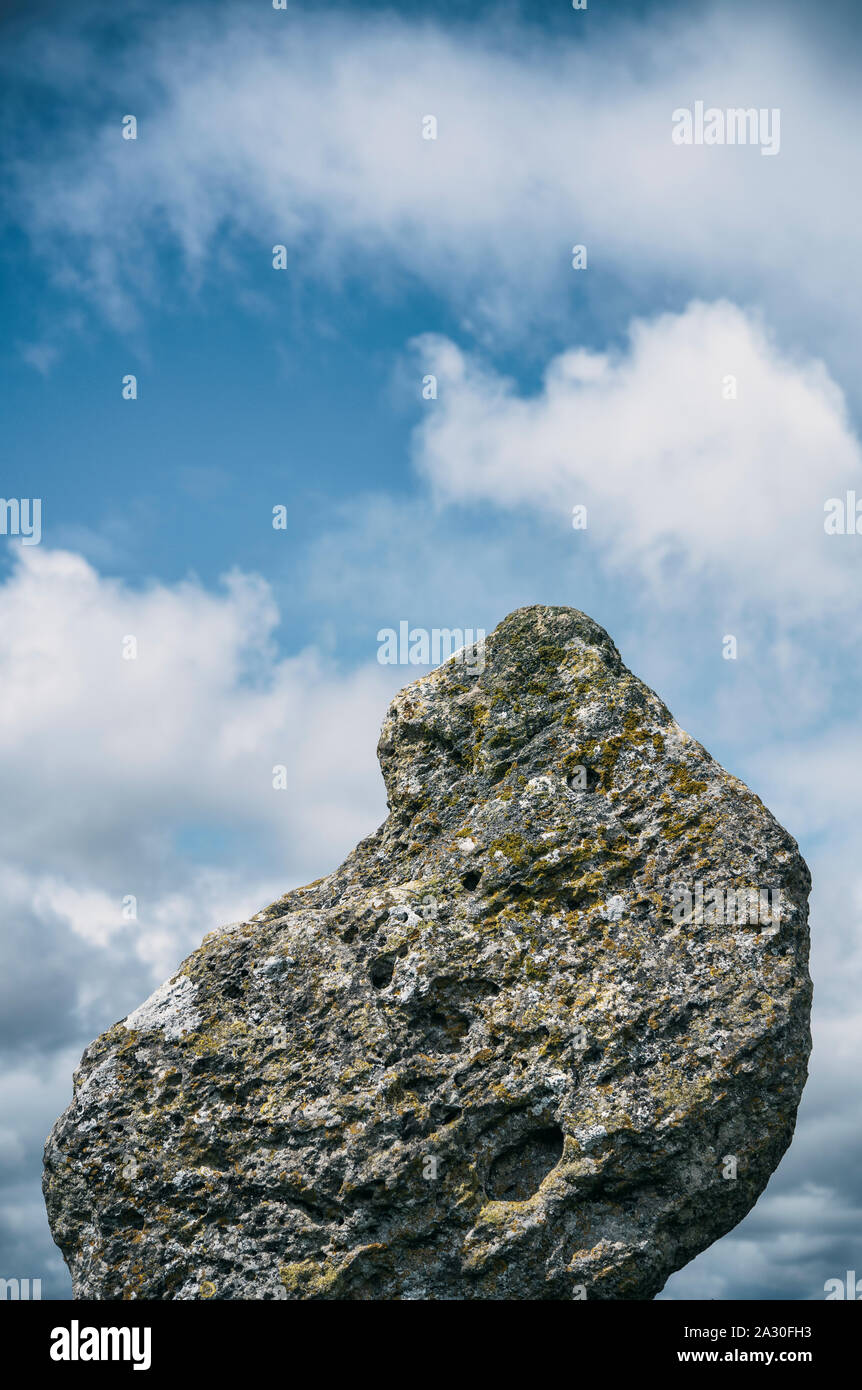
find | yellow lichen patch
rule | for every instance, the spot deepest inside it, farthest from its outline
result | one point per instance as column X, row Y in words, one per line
column 683, row 781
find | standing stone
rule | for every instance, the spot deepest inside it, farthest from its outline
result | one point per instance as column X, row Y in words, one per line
column 498, row 1054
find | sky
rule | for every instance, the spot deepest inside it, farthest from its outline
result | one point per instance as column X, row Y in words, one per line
column 696, row 386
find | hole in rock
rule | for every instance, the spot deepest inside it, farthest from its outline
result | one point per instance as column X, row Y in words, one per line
column 381, row 971
column 471, row 880
column 440, row 1019
column 519, row 1171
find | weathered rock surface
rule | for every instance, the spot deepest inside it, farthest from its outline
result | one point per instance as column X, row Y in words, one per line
column 482, row 1059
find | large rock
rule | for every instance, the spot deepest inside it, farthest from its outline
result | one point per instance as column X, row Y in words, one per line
column 490, row 1057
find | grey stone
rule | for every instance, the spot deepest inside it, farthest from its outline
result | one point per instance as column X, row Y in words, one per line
column 494, row 1055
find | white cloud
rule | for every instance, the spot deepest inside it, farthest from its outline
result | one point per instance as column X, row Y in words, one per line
column 152, row 778
column 681, row 484
column 306, row 130
column 107, row 752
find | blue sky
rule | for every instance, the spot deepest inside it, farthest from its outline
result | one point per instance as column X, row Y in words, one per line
column 303, row 388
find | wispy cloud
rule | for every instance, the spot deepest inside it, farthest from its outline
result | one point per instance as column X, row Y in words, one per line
column 306, row 130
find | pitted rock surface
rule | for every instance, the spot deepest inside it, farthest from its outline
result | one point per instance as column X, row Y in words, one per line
column 484, row 1059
